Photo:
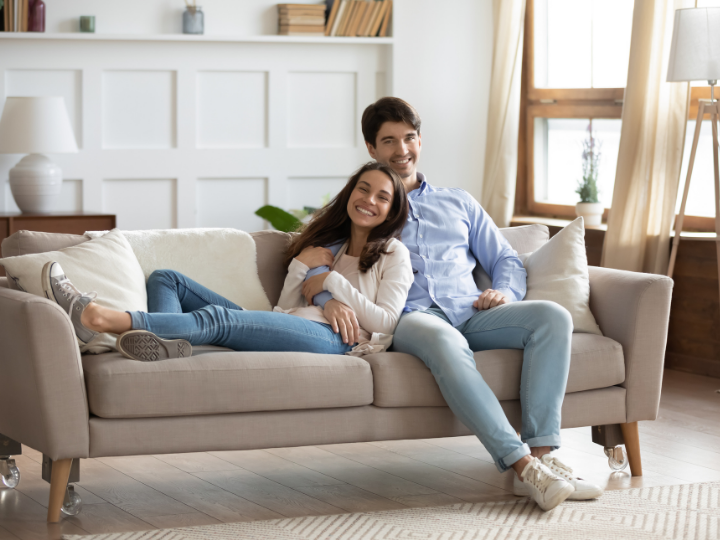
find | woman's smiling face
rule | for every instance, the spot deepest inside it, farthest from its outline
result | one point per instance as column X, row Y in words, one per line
column 371, row 200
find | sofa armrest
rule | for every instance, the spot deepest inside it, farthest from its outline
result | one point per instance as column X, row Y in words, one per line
column 634, row 310
column 43, row 403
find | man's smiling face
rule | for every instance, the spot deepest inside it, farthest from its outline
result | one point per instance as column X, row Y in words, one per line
column 398, row 145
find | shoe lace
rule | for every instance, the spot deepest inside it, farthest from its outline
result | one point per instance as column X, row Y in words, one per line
column 90, row 295
column 538, row 477
column 558, row 466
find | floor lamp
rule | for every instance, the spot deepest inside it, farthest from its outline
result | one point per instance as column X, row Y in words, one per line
column 695, row 56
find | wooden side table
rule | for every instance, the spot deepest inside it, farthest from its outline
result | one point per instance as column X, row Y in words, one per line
column 60, row 222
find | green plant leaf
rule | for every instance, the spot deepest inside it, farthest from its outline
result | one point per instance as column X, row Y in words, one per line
column 279, row 218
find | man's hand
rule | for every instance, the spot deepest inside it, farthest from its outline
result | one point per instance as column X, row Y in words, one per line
column 313, row 286
column 343, row 321
column 312, row 257
column 489, row 299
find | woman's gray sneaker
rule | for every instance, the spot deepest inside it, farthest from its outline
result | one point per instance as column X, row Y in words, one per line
column 147, row 347
column 60, row 289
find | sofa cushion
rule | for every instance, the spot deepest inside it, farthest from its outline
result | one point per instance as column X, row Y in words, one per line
column 218, row 381
column 402, row 380
column 30, row 242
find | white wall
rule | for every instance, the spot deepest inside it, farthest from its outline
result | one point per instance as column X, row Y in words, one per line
column 222, row 17
column 441, row 65
column 182, row 153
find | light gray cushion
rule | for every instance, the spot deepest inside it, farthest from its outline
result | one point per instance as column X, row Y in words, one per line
column 30, row 242
column 402, row 380
column 220, row 381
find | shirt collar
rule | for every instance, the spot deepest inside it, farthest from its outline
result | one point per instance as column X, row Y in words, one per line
column 424, row 186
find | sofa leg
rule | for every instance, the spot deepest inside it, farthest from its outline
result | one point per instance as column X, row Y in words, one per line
column 58, row 487
column 632, row 447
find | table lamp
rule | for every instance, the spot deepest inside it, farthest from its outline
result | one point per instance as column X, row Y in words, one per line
column 35, row 126
column 695, row 56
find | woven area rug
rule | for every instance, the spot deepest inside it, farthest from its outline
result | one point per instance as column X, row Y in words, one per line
column 657, row 513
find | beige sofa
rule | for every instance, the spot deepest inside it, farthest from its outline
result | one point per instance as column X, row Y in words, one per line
column 71, row 406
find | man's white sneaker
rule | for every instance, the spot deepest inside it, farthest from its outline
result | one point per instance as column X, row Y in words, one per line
column 540, row 484
column 583, row 489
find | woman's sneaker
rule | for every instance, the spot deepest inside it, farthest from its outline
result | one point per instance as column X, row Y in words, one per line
column 583, row 489
column 147, row 347
column 60, row 289
column 540, row 484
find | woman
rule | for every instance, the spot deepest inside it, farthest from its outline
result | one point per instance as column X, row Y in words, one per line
column 371, row 273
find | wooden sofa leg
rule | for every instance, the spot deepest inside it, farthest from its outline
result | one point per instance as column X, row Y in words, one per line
column 58, row 485
column 632, row 447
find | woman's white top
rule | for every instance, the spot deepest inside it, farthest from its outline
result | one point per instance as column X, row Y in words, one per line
column 377, row 296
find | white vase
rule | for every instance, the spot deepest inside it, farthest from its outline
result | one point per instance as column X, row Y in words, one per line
column 591, row 212
column 36, row 183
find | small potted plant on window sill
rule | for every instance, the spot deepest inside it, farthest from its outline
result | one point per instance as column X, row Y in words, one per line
column 589, row 207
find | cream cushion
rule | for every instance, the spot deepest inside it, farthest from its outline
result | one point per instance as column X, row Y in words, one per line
column 106, row 265
column 223, row 260
column 558, row 271
column 216, row 380
column 402, row 380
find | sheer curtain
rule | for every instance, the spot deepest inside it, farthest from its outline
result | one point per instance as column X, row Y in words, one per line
column 500, row 174
column 651, row 146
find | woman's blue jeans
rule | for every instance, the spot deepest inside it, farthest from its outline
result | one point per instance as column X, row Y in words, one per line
column 180, row 308
column 542, row 329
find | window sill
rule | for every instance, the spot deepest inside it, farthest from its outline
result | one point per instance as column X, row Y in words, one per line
column 556, row 222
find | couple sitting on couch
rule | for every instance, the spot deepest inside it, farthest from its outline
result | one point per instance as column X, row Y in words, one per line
column 390, row 253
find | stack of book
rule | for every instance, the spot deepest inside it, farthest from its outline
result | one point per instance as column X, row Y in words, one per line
column 301, row 19
column 17, row 15
column 359, row 18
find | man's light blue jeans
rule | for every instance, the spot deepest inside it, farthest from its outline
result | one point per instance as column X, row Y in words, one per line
column 542, row 329
column 180, row 308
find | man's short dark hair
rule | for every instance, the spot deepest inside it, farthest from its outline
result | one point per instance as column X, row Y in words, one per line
column 387, row 109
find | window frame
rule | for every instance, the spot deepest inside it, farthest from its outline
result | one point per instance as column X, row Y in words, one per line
column 571, row 103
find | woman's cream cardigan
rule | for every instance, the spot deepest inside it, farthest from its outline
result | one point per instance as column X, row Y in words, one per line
column 377, row 305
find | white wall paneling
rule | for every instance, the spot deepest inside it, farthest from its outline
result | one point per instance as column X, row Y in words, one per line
column 311, row 191
column 231, row 109
column 184, row 131
column 230, row 202
column 138, row 109
column 141, row 203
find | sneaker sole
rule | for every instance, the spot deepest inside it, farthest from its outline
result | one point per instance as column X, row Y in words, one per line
column 147, row 347
column 47, row 289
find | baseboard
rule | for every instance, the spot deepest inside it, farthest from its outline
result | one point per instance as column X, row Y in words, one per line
column 692, row 364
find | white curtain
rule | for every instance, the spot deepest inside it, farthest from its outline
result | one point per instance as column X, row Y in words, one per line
column 651, row 145
column 501, row 148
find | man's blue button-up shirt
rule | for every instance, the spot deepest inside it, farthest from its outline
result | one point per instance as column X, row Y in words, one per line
column 448, row 233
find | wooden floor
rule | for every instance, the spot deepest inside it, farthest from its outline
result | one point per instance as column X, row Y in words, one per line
column 139, row 493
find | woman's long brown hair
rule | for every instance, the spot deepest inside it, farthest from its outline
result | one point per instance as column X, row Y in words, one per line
column 331, row 224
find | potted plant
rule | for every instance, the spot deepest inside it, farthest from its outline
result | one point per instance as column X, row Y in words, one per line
column 589, row 207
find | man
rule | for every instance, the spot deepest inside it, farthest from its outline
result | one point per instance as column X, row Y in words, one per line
column 447, row 317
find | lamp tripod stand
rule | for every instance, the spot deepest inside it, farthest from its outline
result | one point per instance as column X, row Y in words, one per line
column 712, row 108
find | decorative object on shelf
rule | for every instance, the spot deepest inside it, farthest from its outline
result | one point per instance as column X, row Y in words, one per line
column 193, row 19
column 301, row 19
column 589, row 207
column 87, row 23
column 35, row 126
column 36, row 16
column 695, row 56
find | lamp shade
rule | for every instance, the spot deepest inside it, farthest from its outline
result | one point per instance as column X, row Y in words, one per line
column 31, row 125
column 695, row 47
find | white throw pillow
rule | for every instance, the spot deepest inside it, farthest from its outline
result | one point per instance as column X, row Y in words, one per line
column 223, row 260
column 558, row 271
column 106, row 265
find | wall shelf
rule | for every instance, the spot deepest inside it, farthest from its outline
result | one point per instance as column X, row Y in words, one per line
column 78, row 36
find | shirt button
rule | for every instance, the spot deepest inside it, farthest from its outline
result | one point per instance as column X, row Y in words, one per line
column 421, row 236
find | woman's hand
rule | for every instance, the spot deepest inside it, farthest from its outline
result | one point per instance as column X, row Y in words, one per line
column 343, row 321
column 312, row 257
column 313, row 286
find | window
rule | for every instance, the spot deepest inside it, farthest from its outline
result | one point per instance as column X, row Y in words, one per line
column 574, row 73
